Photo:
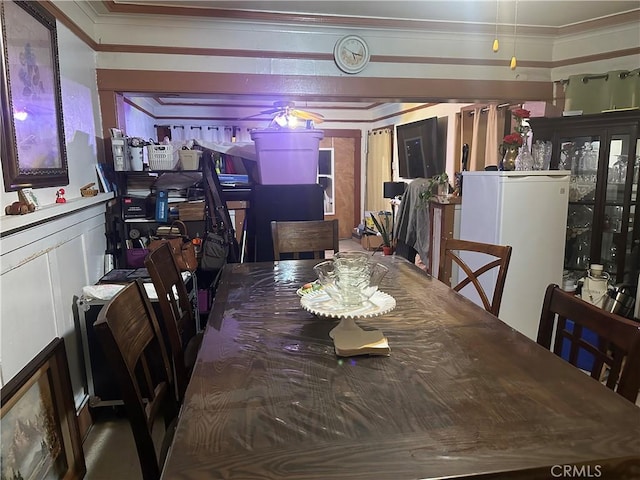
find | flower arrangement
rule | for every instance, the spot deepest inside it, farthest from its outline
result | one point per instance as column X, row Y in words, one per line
column 521, row 113
column 513, row 139
column 521, row 117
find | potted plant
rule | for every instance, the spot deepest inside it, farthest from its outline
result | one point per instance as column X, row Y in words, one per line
column 384, row 227
column 437, row 185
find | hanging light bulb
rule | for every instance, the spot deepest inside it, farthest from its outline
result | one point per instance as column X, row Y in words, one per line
column 514, row 62
column 496, row 44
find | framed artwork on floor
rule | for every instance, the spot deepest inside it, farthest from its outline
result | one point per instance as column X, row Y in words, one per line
column 40, row 438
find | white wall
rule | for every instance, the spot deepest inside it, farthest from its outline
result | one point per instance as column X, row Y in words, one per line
column 44, row 266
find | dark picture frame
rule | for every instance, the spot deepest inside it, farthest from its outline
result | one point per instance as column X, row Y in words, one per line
column 32, row 146
column 38, row 424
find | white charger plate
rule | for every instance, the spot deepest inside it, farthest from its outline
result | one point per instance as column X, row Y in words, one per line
column 319, row 303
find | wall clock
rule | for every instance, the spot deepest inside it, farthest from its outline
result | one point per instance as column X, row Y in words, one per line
column 351, row 54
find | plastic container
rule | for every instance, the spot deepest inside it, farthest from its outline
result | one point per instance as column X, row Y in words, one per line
column 189, row 159
column 136, row 158
column 287, row 157
column 162, row 157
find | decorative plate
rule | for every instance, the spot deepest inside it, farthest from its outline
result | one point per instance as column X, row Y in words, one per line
column 319, row 303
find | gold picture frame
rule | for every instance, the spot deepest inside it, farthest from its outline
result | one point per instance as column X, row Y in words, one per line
column 38, row 424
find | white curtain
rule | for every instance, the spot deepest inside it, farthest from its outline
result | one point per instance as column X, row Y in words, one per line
column 177, row 133
column 195, row 132
column 379, row 149
column 210, row 134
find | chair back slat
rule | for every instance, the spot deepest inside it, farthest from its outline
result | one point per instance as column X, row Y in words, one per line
column 502, row 254
column 178, row 316
column 613, row 341
column 132, row 341
column 311, row 237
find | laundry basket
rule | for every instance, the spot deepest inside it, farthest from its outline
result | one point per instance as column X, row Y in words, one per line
column 162, row 157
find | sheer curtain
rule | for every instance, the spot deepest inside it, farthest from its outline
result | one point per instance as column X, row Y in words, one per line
column 379, row 148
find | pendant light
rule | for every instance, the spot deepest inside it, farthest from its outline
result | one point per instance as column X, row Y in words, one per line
column 514, row 62
column 496, row 44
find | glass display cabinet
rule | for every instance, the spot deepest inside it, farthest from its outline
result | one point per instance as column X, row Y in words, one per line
column 602, row 151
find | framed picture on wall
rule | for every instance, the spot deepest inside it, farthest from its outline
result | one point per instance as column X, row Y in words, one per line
column 38, row 425
column 32, row 145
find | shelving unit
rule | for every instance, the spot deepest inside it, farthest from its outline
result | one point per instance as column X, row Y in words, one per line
column 602, row 151
column 121, row 229
column 326, row 169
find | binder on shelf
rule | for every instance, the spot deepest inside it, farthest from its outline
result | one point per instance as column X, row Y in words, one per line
column 162, row 206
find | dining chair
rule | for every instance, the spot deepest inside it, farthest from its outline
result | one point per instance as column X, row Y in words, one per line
column 496, row 256
column 309, row 236
column 611, row 341
column 178, row 319
column 131, row 339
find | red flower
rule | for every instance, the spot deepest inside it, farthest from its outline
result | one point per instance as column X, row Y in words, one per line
column 521, row 113
column 512, row 139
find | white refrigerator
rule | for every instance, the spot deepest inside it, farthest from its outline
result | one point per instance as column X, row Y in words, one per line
column 528, row 211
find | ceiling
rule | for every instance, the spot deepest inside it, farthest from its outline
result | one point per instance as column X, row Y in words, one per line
column 546, row 17
column 542, row 13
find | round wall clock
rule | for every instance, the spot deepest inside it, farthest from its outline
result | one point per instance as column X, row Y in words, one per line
column 351, row 54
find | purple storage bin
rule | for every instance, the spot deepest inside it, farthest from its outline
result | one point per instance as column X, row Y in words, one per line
column 287, row 157
column 136, row 256
column 203, row 301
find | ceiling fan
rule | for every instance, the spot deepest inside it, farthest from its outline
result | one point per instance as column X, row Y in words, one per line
column 285, row 115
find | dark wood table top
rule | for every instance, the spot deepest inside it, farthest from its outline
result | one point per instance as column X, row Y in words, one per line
column 462, row 394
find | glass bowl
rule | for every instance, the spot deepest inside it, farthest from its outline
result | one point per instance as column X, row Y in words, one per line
column 350, row 283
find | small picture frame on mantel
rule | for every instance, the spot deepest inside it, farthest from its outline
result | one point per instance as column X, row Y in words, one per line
column 28, row 196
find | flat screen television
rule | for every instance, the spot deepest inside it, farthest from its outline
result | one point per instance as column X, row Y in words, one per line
column 420, row 148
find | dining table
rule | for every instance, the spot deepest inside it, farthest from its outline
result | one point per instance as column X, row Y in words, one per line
column 460, row 394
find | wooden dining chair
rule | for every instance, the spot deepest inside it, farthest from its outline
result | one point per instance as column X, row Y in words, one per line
column 178, row 317
column 611, row 341
column 311, row 236
column 498, row 255
column 131, row 339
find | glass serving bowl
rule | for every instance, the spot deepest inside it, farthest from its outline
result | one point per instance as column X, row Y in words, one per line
column 352, row 281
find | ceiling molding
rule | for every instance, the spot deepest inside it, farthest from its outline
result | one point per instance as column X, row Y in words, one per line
column 303, row 18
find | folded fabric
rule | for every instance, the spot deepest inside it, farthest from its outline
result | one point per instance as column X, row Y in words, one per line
column 107, row 291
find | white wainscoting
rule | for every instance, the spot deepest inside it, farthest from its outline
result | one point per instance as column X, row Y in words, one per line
column 43, row 267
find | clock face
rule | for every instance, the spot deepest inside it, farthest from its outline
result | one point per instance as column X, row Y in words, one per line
column 351, row 54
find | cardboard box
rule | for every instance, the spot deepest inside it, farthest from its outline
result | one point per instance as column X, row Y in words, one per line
column 191, row 210
column 371, row 242
column 542, row 109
